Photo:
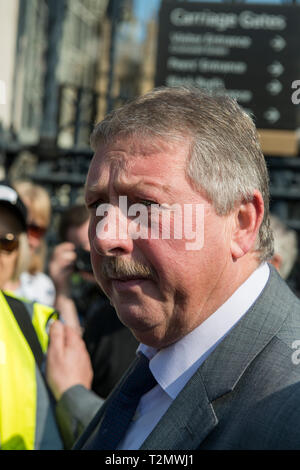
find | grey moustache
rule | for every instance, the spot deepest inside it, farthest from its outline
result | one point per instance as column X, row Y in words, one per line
column 118, row 268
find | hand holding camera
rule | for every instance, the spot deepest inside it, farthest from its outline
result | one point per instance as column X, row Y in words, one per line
column 83, row 261
column 67, row 259
column 62, row 265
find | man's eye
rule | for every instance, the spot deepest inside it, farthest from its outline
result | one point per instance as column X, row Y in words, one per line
column 147, row 202
column 94, row 205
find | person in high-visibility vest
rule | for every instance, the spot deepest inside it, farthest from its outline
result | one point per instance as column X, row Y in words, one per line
column 26, row 417
column 27, row 407
column 27, row 420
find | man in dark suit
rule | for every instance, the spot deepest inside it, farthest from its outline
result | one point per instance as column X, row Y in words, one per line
column 180, row 237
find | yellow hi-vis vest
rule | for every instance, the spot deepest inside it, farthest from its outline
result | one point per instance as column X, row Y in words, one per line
column 26, row 417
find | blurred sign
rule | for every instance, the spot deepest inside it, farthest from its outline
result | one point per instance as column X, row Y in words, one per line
column 251, row 51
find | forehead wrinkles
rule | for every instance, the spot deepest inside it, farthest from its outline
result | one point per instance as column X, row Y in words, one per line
column 114, row 161
column 102, row 169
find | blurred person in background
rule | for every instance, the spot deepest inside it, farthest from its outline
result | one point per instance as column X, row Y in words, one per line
column 84, row 306
column 26, row 417
column 285, row 247
column 34, row 284
column 75, row 289
column 285, row 250
column 29, row 419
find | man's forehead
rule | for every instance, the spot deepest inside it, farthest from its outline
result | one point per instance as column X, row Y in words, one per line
column 123, row 150
column 122, row 183
column 104, row 171
column 137, row 144
column 127, row 162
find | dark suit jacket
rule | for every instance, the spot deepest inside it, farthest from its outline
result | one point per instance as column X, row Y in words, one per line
column 110, row 344
column 246, row 395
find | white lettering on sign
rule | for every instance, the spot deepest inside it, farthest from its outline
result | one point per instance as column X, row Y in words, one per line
column 223, row 21
column 219, row 66
column 219, row 21
column 252, row 20
column 243, row 96
column 183, row 65
column 208, row 44
column 198, row 50
column 210, row 39
column 189, row 80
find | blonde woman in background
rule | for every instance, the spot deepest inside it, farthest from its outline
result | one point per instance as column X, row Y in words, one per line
column 34, row 284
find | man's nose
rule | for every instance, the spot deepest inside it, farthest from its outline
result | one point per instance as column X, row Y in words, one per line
column 111, row 237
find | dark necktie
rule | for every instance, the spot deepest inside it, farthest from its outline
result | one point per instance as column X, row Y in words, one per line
column 120, row 411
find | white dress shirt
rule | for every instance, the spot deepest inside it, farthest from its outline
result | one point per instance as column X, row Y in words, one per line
column 174, row 365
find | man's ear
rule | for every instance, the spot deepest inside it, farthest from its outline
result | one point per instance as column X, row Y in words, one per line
column 248, row 217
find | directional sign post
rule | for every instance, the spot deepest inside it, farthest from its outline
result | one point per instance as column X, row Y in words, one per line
column 251, row 51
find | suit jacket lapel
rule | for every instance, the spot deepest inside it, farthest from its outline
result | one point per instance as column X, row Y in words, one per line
column 227, row 363
column 187, row 421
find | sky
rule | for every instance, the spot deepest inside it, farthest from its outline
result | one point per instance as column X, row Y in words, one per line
column 144, row 9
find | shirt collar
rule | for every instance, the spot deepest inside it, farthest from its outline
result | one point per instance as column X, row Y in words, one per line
column 174, row 365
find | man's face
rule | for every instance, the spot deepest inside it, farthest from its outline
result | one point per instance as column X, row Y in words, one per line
column 181, row 287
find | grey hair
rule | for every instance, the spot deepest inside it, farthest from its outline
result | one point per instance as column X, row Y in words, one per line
column 225, row 159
